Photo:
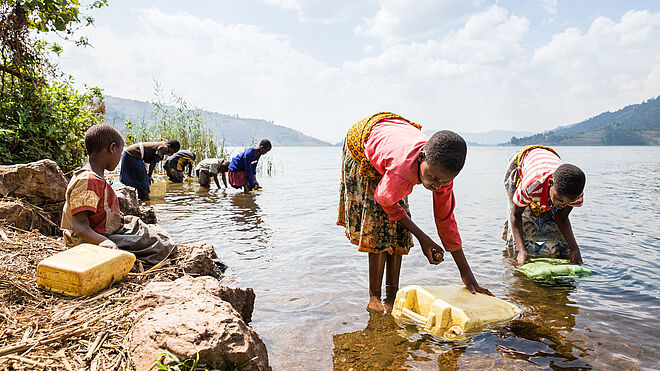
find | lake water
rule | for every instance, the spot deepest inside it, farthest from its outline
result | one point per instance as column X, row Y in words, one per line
column 311, row 283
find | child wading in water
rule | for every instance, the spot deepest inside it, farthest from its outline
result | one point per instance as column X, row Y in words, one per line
column 243, row 167
column 133, row 172
column 91, row 211
column 384, row 156
column 536, row 177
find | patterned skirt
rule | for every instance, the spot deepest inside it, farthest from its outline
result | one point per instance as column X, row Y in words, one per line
column 367, row 225
column 541, row 235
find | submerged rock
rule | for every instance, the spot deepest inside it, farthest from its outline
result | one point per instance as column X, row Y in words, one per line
column 190, row 316
column 36, row 182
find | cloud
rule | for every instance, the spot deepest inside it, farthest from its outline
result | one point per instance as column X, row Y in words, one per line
column 550, row 6
column 319, row 10
column 398, row 20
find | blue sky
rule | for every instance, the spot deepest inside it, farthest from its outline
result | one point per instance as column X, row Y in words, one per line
column 317, row 66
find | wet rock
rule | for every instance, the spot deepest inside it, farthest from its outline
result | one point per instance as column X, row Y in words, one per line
column 130, row 205
column 186, row 317
column 185, row 288
column 37, row 182
column 201, row 260
column 22, row 215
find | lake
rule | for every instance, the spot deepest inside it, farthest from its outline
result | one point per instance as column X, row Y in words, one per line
column 311, row 283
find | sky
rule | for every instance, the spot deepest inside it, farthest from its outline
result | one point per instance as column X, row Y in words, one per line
column 318, row 66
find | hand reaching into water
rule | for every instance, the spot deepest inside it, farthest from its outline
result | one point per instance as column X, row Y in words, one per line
column 521, row 257
column 574, row 256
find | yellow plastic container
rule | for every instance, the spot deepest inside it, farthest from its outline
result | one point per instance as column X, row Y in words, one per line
column 83, row 270
column 158, row 188
column 449, row 311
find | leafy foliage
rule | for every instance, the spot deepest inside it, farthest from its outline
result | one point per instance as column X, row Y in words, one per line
column 41, row 114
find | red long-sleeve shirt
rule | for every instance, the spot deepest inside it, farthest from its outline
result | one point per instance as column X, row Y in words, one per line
column 392, row 148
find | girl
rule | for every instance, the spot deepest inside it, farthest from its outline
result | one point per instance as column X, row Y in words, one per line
column 384, row 156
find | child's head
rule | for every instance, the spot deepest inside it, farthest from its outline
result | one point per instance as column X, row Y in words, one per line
column 104, row 144
column 173, row 146
column 441, row 159
column 567, row 185
column 264, row 146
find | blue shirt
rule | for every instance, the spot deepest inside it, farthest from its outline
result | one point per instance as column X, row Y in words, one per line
column 246, row 161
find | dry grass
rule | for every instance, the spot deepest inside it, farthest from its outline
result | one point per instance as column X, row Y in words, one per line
column 42, row 330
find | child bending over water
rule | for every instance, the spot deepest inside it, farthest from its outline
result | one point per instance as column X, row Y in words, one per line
column 209, row 169
column 91, row 210
column 133, row 172
column 243, row 167
column 542, row 191
column 384, row 156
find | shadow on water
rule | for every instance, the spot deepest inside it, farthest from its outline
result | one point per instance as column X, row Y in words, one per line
column 382, row 345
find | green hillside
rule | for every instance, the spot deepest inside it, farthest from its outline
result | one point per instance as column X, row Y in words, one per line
column 236, row 131
column 637, row 124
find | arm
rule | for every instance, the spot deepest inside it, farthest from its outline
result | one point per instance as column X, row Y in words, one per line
column 515, row 221
column 81, row 228
column 431, row 250
column 466, row 273
column 190, row 168
column 248, row 169
column 564, row 224
column 215, row 178
column 152, row 165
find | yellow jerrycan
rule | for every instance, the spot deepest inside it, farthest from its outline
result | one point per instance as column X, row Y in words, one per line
column 158, row 188
column 83, row 270
column 449, row 311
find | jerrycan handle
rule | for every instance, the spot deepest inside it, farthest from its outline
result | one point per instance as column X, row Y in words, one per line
column 414, row 317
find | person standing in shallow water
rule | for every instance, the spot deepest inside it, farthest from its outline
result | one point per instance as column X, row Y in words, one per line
column 133, row 172
column 542, row 191
column 243, row 167
column 384, row 157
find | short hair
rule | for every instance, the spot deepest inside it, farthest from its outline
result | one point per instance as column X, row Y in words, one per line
column 446, row 149
column 174, row 144
column 99, row 137
column 569, row 180
column 265, row 143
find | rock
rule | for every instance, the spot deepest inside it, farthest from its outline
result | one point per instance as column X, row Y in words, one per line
column 27, row 217
column 37, row 182
column 201, row 260
column 186, row 317
column 130, row 205
column 156, row 294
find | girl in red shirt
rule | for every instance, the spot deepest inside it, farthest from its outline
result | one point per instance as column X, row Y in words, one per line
column 384, row 156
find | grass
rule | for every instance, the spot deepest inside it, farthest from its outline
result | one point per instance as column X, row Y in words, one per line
column 195, row 365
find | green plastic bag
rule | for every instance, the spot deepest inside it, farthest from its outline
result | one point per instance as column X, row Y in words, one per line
column 553, row 271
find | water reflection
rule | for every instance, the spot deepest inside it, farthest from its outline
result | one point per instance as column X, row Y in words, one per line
column 542, row 335
column 382, row 345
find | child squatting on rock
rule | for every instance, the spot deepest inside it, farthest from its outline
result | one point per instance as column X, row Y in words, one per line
column 542, row 191
column 384, row 157
column 91, row 211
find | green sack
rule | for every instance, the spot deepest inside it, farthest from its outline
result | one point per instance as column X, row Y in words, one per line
column 553, row 271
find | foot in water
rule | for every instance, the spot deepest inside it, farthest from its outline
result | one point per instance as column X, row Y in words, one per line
column 375, row 304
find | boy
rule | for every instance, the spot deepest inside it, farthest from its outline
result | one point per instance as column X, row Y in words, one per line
column 177, row 163
column 91, row 210
column 133, row 172
column 384, row 157
column 243, row 167
column 210, row 168
column 542, row 191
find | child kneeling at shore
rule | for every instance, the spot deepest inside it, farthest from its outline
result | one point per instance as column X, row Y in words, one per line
column 91, row 212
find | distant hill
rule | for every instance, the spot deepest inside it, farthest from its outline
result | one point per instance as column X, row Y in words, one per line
column 487, row 138
column 236, row 131
column 637, row 124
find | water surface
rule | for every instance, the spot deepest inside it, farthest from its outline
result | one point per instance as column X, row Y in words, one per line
column 311, row 283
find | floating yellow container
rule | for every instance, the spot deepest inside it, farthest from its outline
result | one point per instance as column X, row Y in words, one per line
column 449, row 311
column 83, row 270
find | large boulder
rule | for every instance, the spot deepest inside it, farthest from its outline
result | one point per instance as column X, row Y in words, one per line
column 37, row 182
column 186, row 318
column 156, row 294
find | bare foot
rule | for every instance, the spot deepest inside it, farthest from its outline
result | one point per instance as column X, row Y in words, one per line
column 375, row 304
